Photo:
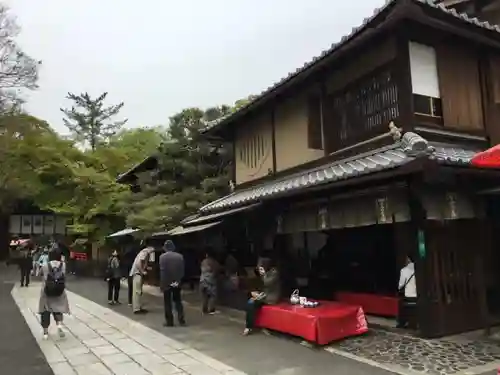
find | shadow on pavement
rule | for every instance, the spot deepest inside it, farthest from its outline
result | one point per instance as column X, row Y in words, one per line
column 19, row 351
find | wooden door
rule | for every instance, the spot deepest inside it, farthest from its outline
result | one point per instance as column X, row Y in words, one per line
column 453, row 282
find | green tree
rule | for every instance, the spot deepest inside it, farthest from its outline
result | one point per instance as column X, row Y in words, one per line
column 89, row 119
column 192, row 172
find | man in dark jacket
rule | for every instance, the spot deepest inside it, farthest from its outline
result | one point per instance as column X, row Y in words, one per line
column 25, row 266
column 171, row 274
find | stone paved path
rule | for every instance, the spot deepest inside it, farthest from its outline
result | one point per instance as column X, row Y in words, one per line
column 404, row 354
column 434, row 357
column 100, row 341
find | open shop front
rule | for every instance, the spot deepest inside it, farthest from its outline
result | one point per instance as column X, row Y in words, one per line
column 351, row 249
column 348, row 249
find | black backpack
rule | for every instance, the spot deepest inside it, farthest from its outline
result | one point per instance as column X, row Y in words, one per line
column 55, row 283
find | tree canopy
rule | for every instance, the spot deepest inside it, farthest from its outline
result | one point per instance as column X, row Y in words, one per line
column 89, row 120
column 192, row 171
column 55, row 173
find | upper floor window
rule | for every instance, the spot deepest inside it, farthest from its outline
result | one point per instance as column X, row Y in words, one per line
column 425, row 83
column 361, row 109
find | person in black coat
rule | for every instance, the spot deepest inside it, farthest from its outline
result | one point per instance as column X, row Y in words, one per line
column 25, row 266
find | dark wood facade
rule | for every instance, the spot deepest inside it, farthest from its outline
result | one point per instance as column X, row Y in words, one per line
column 437, row 213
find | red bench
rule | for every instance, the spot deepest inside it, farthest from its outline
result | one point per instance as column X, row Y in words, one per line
column 371, row 303
column 328, row 322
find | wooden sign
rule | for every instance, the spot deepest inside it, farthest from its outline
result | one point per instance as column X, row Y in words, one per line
column 383, row 215
column 279, row 224
column 323, row 217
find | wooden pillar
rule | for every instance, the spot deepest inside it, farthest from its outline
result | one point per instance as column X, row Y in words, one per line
column 418, row 219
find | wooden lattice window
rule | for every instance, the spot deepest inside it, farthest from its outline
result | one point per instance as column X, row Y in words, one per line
column 363, row 109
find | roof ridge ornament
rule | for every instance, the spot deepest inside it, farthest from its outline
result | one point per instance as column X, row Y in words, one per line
column 395, row 132
column 415, row 145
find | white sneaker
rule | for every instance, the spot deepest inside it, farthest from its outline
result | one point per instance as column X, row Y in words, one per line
column 45, row 336
column 61, row 332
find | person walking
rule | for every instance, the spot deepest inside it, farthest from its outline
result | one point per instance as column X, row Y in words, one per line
column 113, row 277
column 25, row 266
column 407, row 288
column 171, row 274
column 210, row 269
column 138, row 273
column 53, row 299
column 43, row 260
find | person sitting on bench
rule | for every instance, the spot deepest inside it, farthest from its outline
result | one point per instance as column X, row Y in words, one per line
column 269, row 295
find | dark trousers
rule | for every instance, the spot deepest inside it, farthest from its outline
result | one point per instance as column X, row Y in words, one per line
column 130, row 289
column 25, row 276
column 253, row 307
column 407, row 310
column 45, row 318
column 113, row 289
column 173, row 294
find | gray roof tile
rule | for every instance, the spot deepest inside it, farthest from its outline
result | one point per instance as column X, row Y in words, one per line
column 410, row 147
column 355, row 31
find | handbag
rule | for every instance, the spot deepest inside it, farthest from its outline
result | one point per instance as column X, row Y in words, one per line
column 295, row 298
column 401, row 291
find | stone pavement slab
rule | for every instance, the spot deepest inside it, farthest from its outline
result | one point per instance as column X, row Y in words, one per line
column 91, row 347
column 219, row 337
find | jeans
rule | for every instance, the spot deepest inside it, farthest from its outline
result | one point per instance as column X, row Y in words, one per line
column 130, row 284
column 45, row 318
column 25, row 276
column 169, row 295
column 137, row 294
column 253, row 307
column 113, row 289
column 208, row 300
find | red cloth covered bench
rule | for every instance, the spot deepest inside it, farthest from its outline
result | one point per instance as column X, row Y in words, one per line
column 371, row 303
column 328, row 322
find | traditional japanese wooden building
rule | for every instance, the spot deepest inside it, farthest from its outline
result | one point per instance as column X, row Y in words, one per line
column 381, row 147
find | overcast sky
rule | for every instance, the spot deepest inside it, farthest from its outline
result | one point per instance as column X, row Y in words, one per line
column 159, row 56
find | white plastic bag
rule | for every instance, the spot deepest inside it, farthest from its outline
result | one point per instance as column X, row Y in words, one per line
column 294, row 298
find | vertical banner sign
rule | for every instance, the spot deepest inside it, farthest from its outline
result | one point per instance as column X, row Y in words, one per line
column 323, row 212
column 382, row 210
column 279, row 224
column 421, row 244
column 452, row 204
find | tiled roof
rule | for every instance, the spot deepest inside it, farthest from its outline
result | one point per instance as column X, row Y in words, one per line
column 411, row 147
column 355, row 31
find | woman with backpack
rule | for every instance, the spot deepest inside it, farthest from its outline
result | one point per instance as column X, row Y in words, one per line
column 53, row 298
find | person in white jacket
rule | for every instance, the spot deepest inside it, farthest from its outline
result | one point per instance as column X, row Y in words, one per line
column 407, row 293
